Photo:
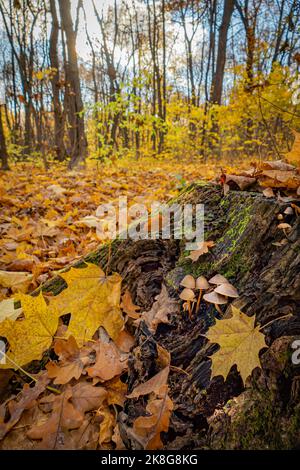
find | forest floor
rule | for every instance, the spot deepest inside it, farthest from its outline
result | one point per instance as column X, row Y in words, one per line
column 41, row 212
column 82, row 356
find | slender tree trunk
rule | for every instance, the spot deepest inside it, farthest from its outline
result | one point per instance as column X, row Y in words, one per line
column 58, row 114
column 3, row 149
column 79, row 142
column 218, row 78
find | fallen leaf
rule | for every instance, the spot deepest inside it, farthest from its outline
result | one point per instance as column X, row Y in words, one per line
column 7, row 310
column 93, row 301
column 29, row 337
column 16, row 281
column 243, row 182
column 107, row 425
column 277, row 165
column 201, row 250
column 72, row 360
column 17, row 406
column 148, row 428
column 161, row 309
column 87, row 397
column 153, row 385
column 125, row 341
column 240, row 342
column 116, row 392
column 109, row 362
column 128, row 306
column 116, row 438
column 268, row 192
column 64, row 417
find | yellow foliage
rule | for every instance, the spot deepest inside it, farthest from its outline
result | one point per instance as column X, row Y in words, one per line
column 93, row 301
column 29, row 337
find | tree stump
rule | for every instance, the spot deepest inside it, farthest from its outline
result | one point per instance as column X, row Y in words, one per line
column 218, row 413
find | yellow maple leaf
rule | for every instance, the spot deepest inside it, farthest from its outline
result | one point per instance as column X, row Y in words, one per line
column 29, row 337
column 240, row 342
column 93, row 301
column 17, row 281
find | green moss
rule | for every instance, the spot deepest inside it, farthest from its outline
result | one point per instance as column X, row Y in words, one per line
column 257, row 427
column 238, row 264
column 238, row 221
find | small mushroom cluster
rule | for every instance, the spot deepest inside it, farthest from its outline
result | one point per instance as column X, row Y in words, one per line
column 219, row 291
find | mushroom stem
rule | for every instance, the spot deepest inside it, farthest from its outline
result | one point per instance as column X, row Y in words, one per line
column 190, row 310
column 199, row 300
column 218, row 309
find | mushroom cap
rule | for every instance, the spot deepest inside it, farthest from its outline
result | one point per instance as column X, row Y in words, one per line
column 201, row 283
column 227, row 289
column 187, row 294
column 280, row 217
column 289, row 211
column 284, row 226
column 188, row 281
column 218, row 279
column 215, row 298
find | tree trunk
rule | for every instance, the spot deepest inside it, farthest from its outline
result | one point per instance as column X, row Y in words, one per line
column 78, row 142
column 216, row 413
column 3, row 149
column 218, row 78
column 58, row 113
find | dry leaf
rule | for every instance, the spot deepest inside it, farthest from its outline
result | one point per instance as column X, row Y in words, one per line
column 87, row 397
column 16, row 281
column 201, row 250
column 128, row 306
column 109, row 362
column 268, row 192
column 7, row 310
column 107, row 425
column 243, row 182
column 153, row 385
column 161, row 309
column 29, row 337
column 17, row 406
column 240, row 342
column 116, row 392
column 93, row 301
column 72, row 361
column 147, row 429
column 64, row 417
column 277, row 165
column 125, row 341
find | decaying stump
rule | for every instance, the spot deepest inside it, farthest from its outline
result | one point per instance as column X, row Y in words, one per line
column 216, row 413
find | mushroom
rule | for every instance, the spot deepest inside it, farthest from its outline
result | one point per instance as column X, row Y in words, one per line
column 201, row 285
column 284, row 227
column 188, row 281
column 218, row 279
column 289, row 211
column 280, row 217
column 216, row 299
column 228, row 290
column 189, row 296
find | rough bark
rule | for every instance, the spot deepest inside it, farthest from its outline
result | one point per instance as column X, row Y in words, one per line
column 3, row 149
column 75, row 104
column 216, row 413
column 217, row 82
column 55, row 85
